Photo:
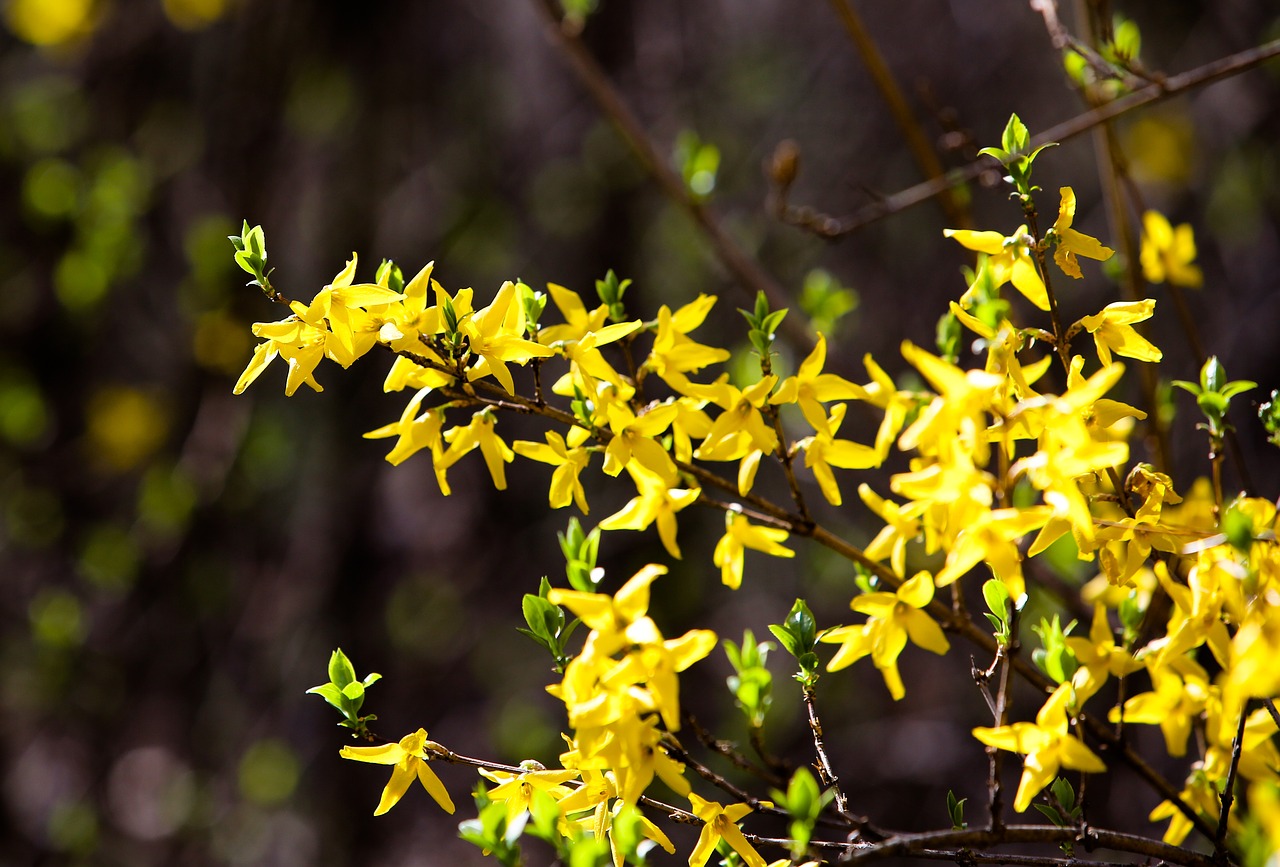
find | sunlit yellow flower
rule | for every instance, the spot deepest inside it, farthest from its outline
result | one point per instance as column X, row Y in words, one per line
column 721, row 823
column 822, row 451
column 1180, row 694
column 993, row 538
column 1167, row 253
column 1047, row 745
column 409, row 757
column 569, row 458
column 1072, row 243
column 895, row 617
column 634, row 439
column 496, row 335
column 810, row 388
column 740, row 534
column 674, row 354
column 1009, row 259
column 479, row 434
column 415, row 432
column 656, row 502
column 517, row 789
column 1113, row 331
column 1099, row 657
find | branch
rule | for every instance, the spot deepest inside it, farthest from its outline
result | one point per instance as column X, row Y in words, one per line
column 832, row 227
column 913, row 844
column 923, row 153
column 745, row 270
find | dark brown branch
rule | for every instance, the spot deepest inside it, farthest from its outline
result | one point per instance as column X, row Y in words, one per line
column 831, row 227
column 746, row 271
column 911, row 844
column 921, row 151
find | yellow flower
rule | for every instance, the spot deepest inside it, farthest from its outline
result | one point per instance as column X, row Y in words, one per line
column 895, row 617
column 1046, row 744
column 1181, row 693
column 1113, row 331
column 740, row 534
column 479, row 434
column 721, row 823
column 1072, row 243
column 517, row 789
column 823, row 451
column 569, row 458
column 495, row 334
column 741, row 414
column 674, row 354
column 993, row 537
column 656, row 502
column 415, row 432
column 1099, row 657
column 611, row 615
column 409, row 757
column 1008, row 260
column 810, row 388
column 1167, row 253
column 633, row 439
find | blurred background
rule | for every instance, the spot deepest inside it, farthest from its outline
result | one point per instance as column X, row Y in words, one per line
column 178, row 563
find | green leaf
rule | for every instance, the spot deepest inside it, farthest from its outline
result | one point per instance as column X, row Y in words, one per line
column 354, row 690
column 534, row 609
column 1051, row 814
column 1127, row 39
column 788, row 641
column 329, row 693
column 997, row 598
column 341, row 672
column 1015, row 137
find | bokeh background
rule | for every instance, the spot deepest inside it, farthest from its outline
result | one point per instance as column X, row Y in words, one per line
column 177, row 563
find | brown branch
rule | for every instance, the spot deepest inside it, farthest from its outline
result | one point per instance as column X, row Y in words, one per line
column 832, row 227
column 923, row 153
column 747, row 272
column 911, row 844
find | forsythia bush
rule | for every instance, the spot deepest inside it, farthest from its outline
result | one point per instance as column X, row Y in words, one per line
column 1006, row 459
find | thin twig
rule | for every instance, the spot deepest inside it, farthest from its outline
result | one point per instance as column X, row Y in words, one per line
column 746, row 271
column 910, row 844
column 833, row 227
column 921, row 151
column 825, row 772
column 1228, row 790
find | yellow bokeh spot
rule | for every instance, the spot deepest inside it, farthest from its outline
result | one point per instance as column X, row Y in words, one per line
column 125, row 426
column 220, row 343
column 1161, row 148
column 194, row 14
column 51, row 22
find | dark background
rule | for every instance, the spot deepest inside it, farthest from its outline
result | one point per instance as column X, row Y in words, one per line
column 177, row 563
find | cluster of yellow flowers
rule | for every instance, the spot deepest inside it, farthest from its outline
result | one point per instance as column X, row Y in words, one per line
column 995, row 457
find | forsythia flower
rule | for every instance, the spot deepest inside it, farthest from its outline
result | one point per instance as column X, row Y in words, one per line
column 409, row 757
column 478, row 434
column 517, row 789
column 569, row 458
column 822, row 451
column 895, row 617
column 1046, row 744
column 1008, row 260
column 655, row 502
column 721, row 823
column 1167, row 253
column 740, row 534
column 1072, row 243
column 810, row 388
column 1113, row 331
